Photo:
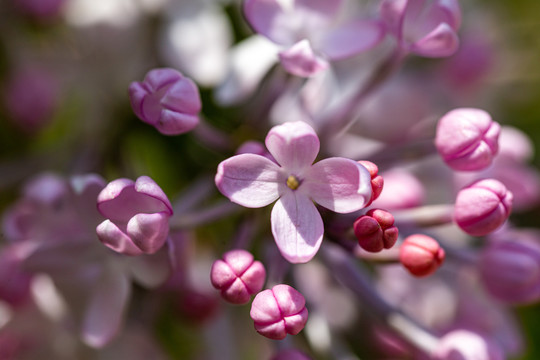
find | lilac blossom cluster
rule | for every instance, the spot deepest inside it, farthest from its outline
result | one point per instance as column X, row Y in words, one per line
column 351, row 209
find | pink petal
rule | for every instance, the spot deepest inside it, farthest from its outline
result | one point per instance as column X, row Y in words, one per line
column 338, row 184
column 440, row 42
column 156, row 79
column 122, row 199
column 114, row 238
column 392, row 13
column 351, row 39
column 297, row 227
column 323, row 8
column 250, row 180
column 183, row 96
column 300, row 60
column 294, row 145
column 175, row 123
column 149, row 231
column 105, row 311
column 269, row 18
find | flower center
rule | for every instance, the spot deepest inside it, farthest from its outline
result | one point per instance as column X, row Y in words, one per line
column 292, row 182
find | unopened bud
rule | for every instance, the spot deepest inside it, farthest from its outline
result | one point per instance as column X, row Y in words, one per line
column 167, row 100
column 279, row 311
column 482, row 207
column 421, row 254
column 238, row 276
column 467, row 139
column 467, row 345
column 377, row 181
column 510, row 271
column 375, row 230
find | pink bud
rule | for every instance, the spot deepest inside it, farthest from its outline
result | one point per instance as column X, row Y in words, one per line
column 467, row 345
column 14, row 281
column 238, row 276
column 377, row 181
column 278, row 312
column 167, row 100
column 375, row 230
column 510, row 271
column 467, row 139
column 290, row 354
column 137, row 216
column 421, row 254
column 482, row 207
column 41, row 9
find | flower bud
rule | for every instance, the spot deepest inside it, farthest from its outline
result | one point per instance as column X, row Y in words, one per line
column 377, row 181
column 482, row 207
column 421, row 254
column 467, row 345
column 279, row 311
column 137, row 216
column 467, row 139
column 510, row 271
column 375, row 230
column 238, row 276
column 167, row 100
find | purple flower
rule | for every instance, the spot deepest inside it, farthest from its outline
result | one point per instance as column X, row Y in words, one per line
column 307, row 31
column 424, row 27
column 467, row 139
column 238, row 276
column 278, row 312
column 510, row 270
column 482, row 207
column 254, row 181
column 137, row 216
column 167, row 100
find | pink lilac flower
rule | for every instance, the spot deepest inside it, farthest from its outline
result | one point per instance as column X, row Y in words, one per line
column 137, row 216
column 254, row 181
column 482, row 207
column 421, row 254
column 467, row 139
column 167, row 100
column 279, row 311
column 307, row 31
column 238, row 276
column 375, row 230
column 467, row 345
column 424, row 27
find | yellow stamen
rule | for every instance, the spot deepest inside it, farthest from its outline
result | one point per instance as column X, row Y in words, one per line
column 292, row 182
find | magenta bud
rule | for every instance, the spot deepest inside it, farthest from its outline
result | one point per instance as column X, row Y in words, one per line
column 375, row 230
column 278, row 312
column 482, row 207
column 137, row 216
column 167, row 100
column 467, row 345
column 377, row 181
column 510, row 271
column 467, row 139
column 41, row 9
column 238, row 276
column 421, row 254
column 290, row 354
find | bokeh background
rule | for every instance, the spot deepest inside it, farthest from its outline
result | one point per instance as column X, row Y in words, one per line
column 75, row 117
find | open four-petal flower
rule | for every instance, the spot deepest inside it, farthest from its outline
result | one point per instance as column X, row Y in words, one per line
column 339, row 184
